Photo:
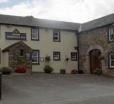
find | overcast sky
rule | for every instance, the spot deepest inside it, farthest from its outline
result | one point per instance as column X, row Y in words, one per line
column 64, row 10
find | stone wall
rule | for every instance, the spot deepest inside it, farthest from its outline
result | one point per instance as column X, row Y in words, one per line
column 94, row 39
column 14, row 56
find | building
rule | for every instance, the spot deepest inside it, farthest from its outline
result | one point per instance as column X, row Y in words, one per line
column 96, row 45
column 31, row 39
column 88, row 46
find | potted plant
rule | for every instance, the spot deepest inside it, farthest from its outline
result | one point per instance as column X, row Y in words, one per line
column 98, row 71
column 62, row 71
column 47, row 59
column 48, row 69
column 21, row 64
column 74, row 71
column 80, row 71
column 6, row 70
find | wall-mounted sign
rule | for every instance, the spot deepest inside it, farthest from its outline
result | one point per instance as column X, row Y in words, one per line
column 15, row 35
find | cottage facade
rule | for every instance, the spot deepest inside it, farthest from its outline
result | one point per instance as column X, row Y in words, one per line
column 35, row 41
column 86, row 47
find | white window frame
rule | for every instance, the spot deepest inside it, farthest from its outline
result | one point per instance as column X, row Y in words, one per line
column 57, row 56
column 35, row 33
column 75, row 56
column 110, row 60
column 111, row 33
column 56, row 34
column 37, row 56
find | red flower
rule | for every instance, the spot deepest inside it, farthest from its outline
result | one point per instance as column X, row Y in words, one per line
column 21, row 69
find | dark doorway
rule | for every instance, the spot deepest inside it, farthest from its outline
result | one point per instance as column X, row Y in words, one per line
column 95, row 61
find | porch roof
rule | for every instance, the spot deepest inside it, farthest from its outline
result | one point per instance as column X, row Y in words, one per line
column 16, row 44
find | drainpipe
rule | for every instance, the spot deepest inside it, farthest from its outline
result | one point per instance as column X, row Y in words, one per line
column 77, row 35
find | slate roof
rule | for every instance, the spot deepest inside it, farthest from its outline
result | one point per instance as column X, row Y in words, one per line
column 31, row 21
column 106, row 20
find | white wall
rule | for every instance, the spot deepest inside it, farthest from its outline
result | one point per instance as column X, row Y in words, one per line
column 46, row 46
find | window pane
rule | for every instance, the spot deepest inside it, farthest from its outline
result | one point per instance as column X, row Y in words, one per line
column 35, row 34
column 56, row 56
column 112, row 63
column 34, row 59
column 111, row 30
column 35, row 53
column 35, row 56
column 73, row 56
column 112, row 56
column 56, row 36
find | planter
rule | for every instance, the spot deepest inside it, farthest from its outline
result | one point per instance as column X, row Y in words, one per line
column 48, row 69
column 21, row 69
column 62, row 71
column 80, row 72
column 74, row 71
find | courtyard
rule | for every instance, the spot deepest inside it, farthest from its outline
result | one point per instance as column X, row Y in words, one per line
column 57, row 89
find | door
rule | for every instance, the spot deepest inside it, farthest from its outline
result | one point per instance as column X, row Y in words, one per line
column 95, row 61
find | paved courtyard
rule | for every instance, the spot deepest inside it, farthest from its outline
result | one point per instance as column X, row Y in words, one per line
column 57, row 89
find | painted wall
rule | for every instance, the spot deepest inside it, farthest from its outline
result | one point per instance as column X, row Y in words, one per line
column 45, row 45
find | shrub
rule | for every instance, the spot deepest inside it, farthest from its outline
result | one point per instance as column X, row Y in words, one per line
column 80, row 72
column 47, row 59
column 6, row 70
column 98, row 71
column 48, row 69
column 62, row 71
column 74, row 71
column 21, row 69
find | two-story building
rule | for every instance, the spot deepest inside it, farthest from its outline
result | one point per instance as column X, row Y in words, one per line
column 34, row 39
column 96, row 45
column 88, row 46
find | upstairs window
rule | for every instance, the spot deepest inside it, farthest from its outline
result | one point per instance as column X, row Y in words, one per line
column 111, row 33
column 111, row 60
column 56, row 36
column 56, row 56
column 35, row 34
column 74, row 56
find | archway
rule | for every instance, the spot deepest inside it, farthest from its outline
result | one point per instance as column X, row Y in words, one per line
column 95, row 61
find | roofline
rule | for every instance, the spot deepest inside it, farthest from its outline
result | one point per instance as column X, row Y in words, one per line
column 79, row 26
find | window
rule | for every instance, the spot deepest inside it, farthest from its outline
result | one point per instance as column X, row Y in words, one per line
column 35, row 34
column 56, row 56
column 56, row 36
column 35, row 57
column 111, row 60
column 21, row 52
column 74, row 56
column 111, row 33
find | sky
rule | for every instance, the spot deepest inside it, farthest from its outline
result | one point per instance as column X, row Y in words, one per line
column 64, row 10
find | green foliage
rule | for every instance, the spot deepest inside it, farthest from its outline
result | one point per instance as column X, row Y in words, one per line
column 6, row 70
column 80, row 71
column 74, row 71
column 62, row 71
column 98, row 71
column 48, row 69
column 47, row 59
column 21, row 60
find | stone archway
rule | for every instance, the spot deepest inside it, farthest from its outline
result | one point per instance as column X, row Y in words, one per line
column 95, row 61
column 87, row 57
column 19, row 54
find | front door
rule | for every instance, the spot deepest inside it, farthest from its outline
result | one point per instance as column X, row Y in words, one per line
column 95, row 61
